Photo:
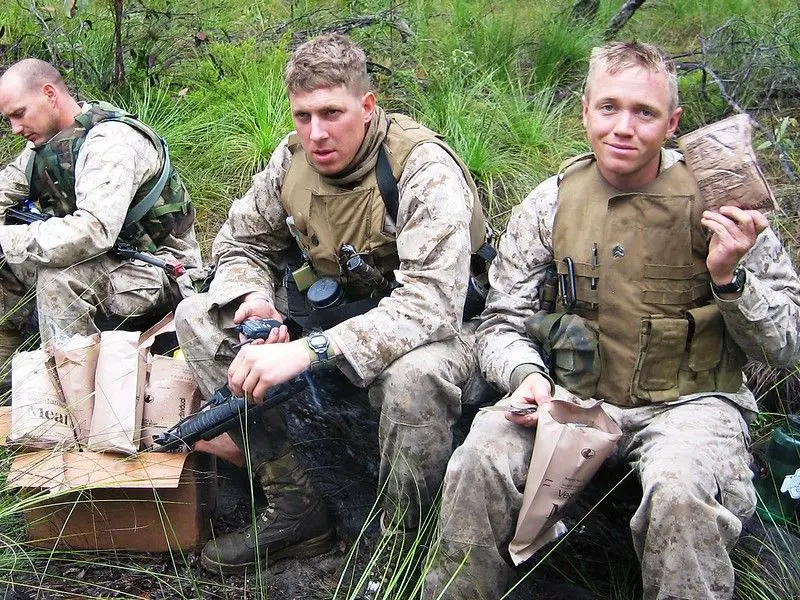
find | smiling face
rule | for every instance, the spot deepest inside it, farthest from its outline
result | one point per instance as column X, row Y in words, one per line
column 331, row 123
column 32, row 111
column 628, row 115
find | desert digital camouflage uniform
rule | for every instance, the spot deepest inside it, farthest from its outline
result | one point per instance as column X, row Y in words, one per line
column 691, row 455
column 411, row 350
column 63, row 264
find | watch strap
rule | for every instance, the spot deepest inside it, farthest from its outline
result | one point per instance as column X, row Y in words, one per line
column 318, row 354
column 735, row 286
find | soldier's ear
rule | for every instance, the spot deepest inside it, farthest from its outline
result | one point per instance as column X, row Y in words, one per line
column 50, row 91
column 368, row 106
column 674, row 119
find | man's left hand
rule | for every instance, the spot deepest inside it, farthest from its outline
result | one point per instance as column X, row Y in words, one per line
column 257, row 368
column 734, row 232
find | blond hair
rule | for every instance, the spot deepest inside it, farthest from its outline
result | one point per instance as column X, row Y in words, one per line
column 618, row 56
column 330, row 60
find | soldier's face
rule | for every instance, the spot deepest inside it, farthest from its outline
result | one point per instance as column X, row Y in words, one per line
column 31, row 113
column 331, row 123
column 628, row 117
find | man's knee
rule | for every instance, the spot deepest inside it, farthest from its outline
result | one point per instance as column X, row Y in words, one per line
column 191, row 317
column 417, row 389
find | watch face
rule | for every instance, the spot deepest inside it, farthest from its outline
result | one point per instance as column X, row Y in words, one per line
column 318, row 341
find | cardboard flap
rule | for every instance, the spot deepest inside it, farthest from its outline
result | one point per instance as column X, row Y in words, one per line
column 74, row 470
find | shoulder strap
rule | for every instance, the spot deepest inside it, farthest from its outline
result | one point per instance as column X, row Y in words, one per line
column 141, row 208
column 387, row 184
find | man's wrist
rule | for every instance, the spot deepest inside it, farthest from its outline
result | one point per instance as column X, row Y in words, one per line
column 523, row 371
column 319, row 347
column 730, row 287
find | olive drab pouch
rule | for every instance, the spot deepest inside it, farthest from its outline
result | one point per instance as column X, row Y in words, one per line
column 569, row 343
column 685, row 355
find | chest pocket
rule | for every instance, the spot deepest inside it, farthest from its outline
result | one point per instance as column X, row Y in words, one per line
column 355, row 217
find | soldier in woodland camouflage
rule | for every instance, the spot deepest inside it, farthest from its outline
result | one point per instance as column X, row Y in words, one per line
column 668, row 299
column 86, row 165
column 410, row 349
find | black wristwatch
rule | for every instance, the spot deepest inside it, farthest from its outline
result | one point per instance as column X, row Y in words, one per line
column 735, row 286
column 319, row 347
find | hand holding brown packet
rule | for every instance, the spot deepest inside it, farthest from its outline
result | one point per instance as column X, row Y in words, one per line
column 724, row 165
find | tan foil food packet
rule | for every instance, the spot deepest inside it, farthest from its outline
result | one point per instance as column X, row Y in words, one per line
column 171, row 392
column 573, row 438
column 724, row 165
column 76, row 363
column 39, row 415
column 117, row 416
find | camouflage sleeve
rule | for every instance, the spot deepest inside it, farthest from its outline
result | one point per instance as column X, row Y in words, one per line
column 13, row 183
column 255, row 237
column 765, row 319
column 524, row 252
column 433, row 244
column 112, row 164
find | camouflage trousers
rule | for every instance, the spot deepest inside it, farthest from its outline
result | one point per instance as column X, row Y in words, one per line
column 419, row 396
column 693, row 463
column 100, row 293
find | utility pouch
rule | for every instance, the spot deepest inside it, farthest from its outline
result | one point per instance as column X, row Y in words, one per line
column 662, row 345
column 713, row 359
column 570, row 346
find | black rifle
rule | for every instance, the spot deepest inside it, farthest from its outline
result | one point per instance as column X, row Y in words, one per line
column 226, row 412
column 20, row 216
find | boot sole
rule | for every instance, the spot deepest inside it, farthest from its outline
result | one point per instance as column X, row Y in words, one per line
column 305, row 549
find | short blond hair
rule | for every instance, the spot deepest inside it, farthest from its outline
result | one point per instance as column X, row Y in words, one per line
column 618, row 56
column 329, row 60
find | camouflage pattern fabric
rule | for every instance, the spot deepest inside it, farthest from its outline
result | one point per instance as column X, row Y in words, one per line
column 411, row 348
column 79, row 280
column 692, row 460
column 691, row 455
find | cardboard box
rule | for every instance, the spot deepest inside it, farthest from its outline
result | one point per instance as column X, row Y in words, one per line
column 150, row 502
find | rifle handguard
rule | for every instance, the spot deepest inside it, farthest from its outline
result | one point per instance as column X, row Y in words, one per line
column 225, row 412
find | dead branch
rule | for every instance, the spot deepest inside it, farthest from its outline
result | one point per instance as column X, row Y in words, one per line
column 346, row 25
column 621, row 18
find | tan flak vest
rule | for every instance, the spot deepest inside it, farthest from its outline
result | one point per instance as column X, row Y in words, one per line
column 327, row 216
column 660, row 334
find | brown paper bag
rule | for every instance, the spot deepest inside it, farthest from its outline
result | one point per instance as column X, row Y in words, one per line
column 119, row 380
column 725, row 167
column 171, row 392
column 39, row 415
column 76, row 363
column 573, row 438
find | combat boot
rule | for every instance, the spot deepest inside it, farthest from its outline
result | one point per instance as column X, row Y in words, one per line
column 294, row 524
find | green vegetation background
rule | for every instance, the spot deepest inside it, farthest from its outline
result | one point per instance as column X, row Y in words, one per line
column 501, row 80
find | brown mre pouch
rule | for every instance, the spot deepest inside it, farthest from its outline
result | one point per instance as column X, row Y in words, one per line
column 76, row 363
column 725, row 167
column 171, row 392
column 39, row 415
column 573, row 438
column 117, row 413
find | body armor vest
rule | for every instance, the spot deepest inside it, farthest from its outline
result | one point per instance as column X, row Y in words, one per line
column 642, row 286
column 51, row 181
column 328, row 216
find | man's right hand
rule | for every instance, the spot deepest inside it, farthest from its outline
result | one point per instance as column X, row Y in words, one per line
column 256, row 306
column 534, row 389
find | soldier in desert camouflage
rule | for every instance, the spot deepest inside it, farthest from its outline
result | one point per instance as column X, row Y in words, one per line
column 410, row 350
column 665, row 300
column 86, row 165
